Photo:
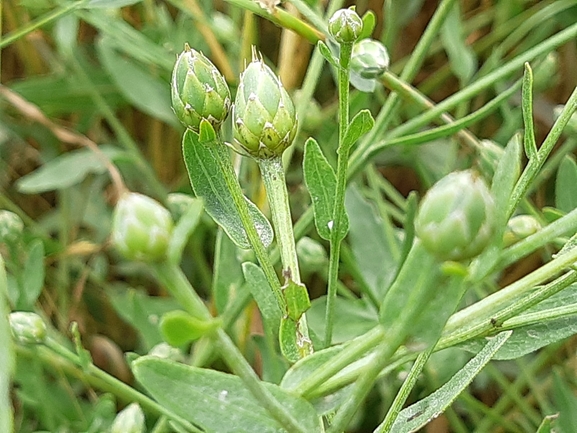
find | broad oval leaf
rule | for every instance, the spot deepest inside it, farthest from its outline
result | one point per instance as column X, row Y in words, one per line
column 216, row 401
column 321, row 182
column 208, row 182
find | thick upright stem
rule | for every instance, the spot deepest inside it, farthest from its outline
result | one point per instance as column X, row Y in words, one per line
column 338, row 210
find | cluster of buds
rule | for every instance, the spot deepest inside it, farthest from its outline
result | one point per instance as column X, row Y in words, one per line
column 265, row 120
column 456, row 219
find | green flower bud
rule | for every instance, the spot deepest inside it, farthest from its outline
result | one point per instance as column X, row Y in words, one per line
column 11, row 227
column 456, row 218
column 129, row 420
column 519, row 227
column 27, row 328
column 141, row 228
column 345, row 26
column 264, row 117
column 369, row 58
column 199, row 91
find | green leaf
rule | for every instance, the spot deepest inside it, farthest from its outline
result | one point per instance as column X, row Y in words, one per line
column 565, row 403
column 181, row 233
column 461, row 57
column 353, row 317
column 326, row 53
column 227, row 274
column 362, row 123
column 297, row 299
column 32, row 276
column 546, row 426
column 178, row 327
column 372, row 249
column 565, row 193
column 417, row 415
column 208, row 182
column 288, row 339
column 540, row 331
column 6, row 355
column 369, row 22
column 321, row 182
column 263, row 295
column 216, row 401
column 527, row 107
column 65, row 170
column 131, row 78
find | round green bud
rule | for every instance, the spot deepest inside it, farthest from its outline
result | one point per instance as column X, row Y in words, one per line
column 369, row 58
column 11, row 227
column 199, row 91
column 264, row 117
column 456, row 219
column 129, row 420
column 345, row 26
column 519, row 227
column 27, row 328
column 141, row 228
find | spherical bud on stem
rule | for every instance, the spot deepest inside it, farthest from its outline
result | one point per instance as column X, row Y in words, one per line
column 345, row 26
column 199, row 91
column 141, row 228
column 11, row 227
column 129, row 420
column 27, row 328
column 369, row 58
column 456, row 218
column 264, row 117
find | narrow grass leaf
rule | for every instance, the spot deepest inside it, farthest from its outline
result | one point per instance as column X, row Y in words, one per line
column 106, row 4
column 77, row 165
column 130, row 78
column 565, row 403
column 208, row 182
column 527, row 108
column 565, row 196
column 263, row 295
column 33, row 275
column 184, row 228
column 419, row 414
column 216, row 401
column 321, row 182
column 461, row 57
column 362, row 123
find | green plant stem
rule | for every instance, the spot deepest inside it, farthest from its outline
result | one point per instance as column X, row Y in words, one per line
column 339, row 205
column 61, row 11
column 70, row 363
column 173, row 279
column 535, row 164
column 404, row 391
column 223, row 158
column 275, row 184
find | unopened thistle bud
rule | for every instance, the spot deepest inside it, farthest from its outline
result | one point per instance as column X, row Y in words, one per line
column 141, row 228
column 264, row 117
column 345, row 26
column 369, row 58
column 199, row 91
column 27, row 328
column 456, row 218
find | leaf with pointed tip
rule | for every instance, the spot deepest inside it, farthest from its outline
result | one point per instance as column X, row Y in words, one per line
column 326, row 53
column 362, row 123
column 321, row 182
column 208, row 181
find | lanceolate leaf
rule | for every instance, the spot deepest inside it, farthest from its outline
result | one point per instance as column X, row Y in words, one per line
column 417, row 415
column 565, row 198
column 208, row 182
column 322, row 185
column 362, row 123
column 216, row 401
